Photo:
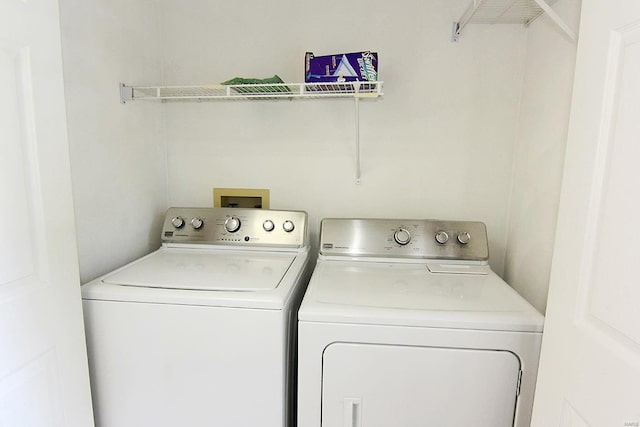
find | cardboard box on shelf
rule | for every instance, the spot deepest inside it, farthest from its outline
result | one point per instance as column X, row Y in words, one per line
column 343, row 67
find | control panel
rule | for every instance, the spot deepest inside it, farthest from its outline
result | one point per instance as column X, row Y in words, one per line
column 235, row 226
column 405, row 238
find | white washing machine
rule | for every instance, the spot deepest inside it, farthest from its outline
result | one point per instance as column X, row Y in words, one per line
column 405, row 324
column 202, row 331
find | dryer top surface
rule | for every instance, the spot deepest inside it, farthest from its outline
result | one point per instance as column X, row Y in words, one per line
column 416, row 294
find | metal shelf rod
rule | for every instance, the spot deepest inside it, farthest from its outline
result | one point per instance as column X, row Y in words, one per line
column 357, row 111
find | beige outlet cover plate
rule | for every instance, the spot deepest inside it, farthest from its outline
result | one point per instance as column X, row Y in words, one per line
column 241, row 198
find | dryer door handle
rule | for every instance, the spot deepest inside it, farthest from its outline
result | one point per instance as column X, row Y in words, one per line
column 352, row 412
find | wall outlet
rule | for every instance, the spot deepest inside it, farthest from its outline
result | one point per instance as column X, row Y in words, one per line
column 241, row 198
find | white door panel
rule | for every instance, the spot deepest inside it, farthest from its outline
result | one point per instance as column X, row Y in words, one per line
column 17, row 168
column 590, row 362
column 43, row 367
column 613, row 228
column 29, row 396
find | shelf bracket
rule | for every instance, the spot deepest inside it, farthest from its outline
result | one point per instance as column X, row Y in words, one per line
column 455, row 32
column 126, row 93
column 464, row 20
column 556, row 18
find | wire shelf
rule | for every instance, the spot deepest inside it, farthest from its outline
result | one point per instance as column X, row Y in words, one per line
column 353, row 90
column 503, row 11
column 253, row 91
column 508, row 12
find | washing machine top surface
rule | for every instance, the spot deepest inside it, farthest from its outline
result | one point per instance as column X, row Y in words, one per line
column 205, row 269
column 215, row 256
column 372, row 278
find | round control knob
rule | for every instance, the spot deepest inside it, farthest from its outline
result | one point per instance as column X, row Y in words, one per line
column 288, row 226
column 402, row 236
column 197, row 223
column 464, row 237
column 178, row 222
column 442, row 237
column 232, row 224
column 268, row 225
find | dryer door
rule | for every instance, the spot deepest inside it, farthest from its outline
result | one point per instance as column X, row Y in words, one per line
column 367, row 385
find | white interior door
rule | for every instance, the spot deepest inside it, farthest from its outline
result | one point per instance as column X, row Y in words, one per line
column 43, row 367
column 590, row 363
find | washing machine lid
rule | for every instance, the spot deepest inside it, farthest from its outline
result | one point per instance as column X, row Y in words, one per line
column 206, row 276
column 413, row 294
column 206, row 270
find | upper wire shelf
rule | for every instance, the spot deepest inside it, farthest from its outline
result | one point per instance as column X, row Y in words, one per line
column 252, row 91
column 502, row 12
column 508, row 12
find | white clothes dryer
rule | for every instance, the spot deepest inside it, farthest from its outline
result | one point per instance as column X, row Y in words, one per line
column 405, row 324
column 202, row 331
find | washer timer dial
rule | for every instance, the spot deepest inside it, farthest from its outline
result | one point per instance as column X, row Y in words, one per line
column 402, row 236
column 232, row 224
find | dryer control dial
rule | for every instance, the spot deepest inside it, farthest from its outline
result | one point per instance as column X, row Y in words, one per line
column 232, row 224
column 402, row 236
column 197, row 223
column 442, row 237
column 177, row 222
column 464, row 237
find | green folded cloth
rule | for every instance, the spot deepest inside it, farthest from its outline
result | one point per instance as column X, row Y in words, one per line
column 246, row 81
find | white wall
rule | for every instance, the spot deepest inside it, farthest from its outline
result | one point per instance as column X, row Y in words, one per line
column 439, row 144
column 117, row 152
column 539, row 156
